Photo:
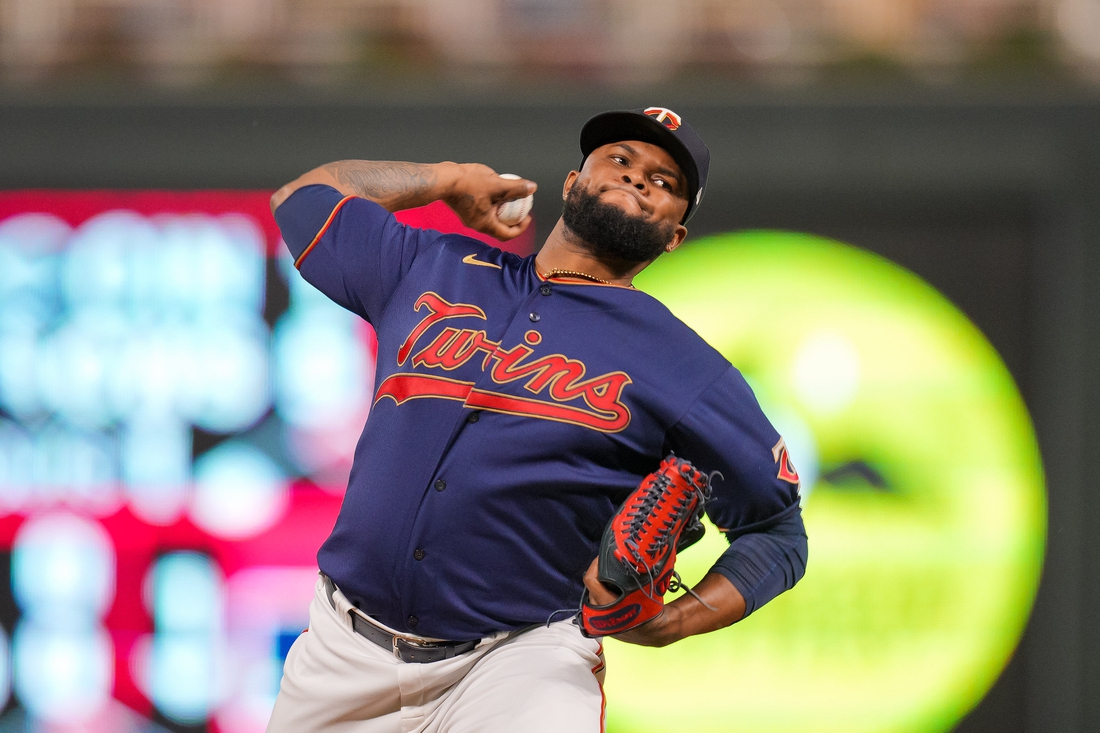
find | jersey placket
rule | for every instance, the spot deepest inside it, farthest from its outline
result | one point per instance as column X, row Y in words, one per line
column 419, row 546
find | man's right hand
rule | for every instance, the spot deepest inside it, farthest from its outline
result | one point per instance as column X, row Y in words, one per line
column 476, row 193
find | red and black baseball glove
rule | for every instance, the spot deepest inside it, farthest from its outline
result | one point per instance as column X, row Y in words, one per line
column 638, row 549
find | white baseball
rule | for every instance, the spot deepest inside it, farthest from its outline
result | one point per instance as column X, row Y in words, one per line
column 513, row 212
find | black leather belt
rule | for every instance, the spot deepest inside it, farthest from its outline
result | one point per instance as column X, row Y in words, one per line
column 404, row 649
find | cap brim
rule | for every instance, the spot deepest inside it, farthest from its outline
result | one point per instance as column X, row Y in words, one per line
column 614, row 127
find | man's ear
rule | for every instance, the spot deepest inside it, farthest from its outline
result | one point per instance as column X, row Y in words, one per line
column 678, row 236
column 569, row 181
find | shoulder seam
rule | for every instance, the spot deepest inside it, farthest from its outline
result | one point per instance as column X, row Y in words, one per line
column 321, row 233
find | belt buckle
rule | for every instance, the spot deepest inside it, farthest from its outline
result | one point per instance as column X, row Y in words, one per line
column 398, row 641
column 403, row 646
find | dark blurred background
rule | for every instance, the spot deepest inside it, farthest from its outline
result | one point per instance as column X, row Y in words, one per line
column 959, row 139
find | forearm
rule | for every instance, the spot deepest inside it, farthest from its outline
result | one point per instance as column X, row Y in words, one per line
column 686, row 616
column 472, row 190
column 755, row 569
column 393, row 185
column 761, row 565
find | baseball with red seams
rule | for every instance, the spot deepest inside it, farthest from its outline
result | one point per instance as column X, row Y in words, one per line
column 513, row 212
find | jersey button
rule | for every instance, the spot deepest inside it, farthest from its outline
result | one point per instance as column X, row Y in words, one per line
column 440, row 484
column 474, row 417
column 412, row 621
column 419, row 554
column 545, row 289
column 535, row 317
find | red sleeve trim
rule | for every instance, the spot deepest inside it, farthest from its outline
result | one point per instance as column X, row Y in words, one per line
column 328, row 222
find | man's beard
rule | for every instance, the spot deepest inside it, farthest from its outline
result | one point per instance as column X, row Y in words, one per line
column 609, row 232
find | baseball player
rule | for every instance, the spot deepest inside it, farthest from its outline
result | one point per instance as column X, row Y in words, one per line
column 519, row 401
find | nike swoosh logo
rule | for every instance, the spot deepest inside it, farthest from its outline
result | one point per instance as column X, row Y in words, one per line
column 469, row 260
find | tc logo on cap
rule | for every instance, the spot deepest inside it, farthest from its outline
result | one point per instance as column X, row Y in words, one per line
column 665, row 116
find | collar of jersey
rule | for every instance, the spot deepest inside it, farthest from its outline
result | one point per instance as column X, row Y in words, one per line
column 567, row 280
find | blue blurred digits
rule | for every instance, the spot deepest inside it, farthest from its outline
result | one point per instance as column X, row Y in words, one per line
column 117, row 339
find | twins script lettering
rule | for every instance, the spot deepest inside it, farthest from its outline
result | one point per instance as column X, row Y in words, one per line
column 594, row 402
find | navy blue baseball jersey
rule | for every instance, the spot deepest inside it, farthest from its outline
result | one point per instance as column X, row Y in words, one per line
column 512, row 415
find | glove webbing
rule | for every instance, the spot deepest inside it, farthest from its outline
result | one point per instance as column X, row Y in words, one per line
column 641, row 515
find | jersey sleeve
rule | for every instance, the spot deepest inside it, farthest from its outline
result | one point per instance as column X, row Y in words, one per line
column 349, row 248
column 756, row 502
column 725, row 430
column 761, row 565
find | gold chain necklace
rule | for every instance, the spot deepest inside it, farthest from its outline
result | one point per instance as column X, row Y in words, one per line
column 582, row 275
column 575, row 273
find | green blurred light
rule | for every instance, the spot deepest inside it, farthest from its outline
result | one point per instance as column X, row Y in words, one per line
column 917, row 591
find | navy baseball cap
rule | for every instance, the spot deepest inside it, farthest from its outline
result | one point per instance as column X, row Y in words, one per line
column 659, row 126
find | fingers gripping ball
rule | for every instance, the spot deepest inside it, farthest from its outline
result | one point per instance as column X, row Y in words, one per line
column 638, row 549
column 513, row 212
